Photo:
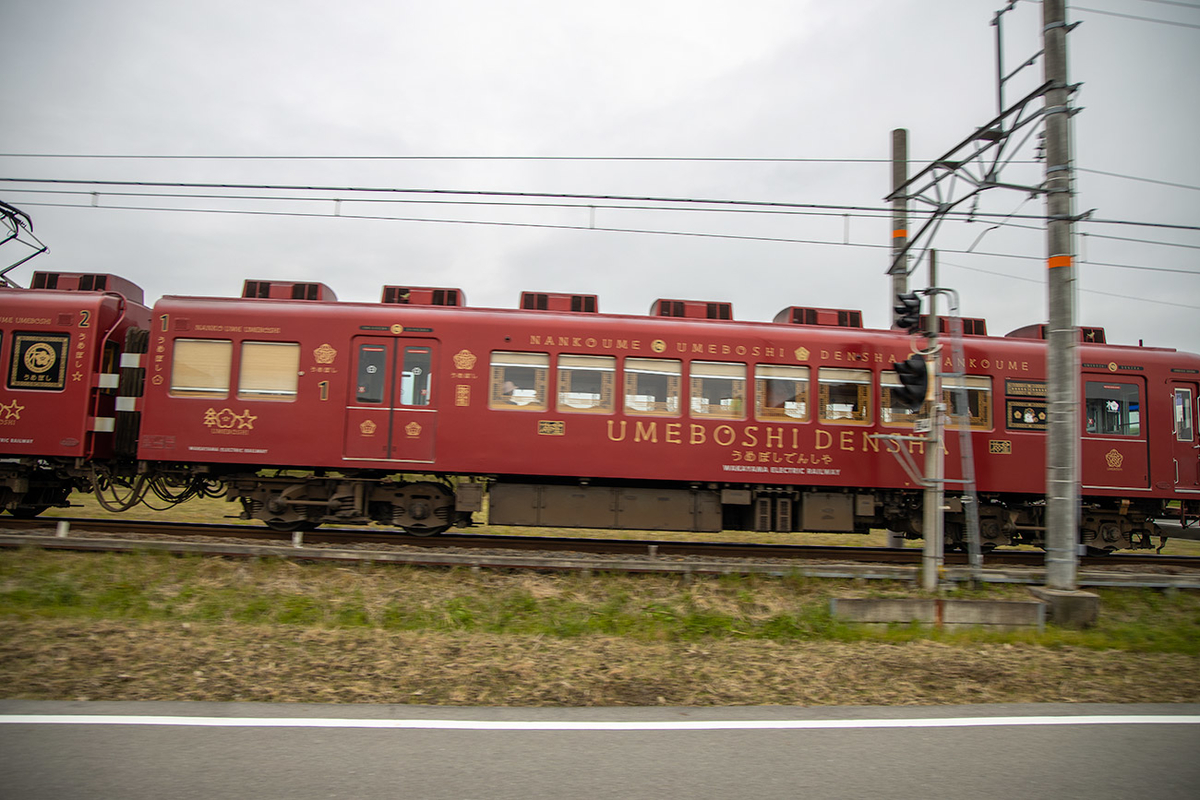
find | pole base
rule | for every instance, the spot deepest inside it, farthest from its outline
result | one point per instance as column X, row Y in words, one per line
column 1071, row 609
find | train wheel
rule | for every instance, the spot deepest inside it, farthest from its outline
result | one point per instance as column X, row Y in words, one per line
column 426, row 531
column 27, row 512
column 423, row 509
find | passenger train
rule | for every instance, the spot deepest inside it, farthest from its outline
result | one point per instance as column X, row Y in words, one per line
column 419, row 412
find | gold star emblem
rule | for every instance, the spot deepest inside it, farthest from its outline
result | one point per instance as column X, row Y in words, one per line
column 11, row 411
column 245, row 420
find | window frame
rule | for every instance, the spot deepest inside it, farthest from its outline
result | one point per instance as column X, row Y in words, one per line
column 213, row 391
column 539, row 363
column 286, row 391
column 701, row 371
column 826, row 377
column 568, row 366
column 672, row 402
column 782, row 372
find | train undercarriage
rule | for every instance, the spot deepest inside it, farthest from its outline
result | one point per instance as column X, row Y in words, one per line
column 424, row 505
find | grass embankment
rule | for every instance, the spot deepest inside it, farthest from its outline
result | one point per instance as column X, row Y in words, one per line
column 150, row 626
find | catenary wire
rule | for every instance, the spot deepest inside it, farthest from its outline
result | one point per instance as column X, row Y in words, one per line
column 605, row 229
column 1135, row 17
column 757, row 204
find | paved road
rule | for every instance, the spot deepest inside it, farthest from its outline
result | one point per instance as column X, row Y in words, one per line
column 203, row 750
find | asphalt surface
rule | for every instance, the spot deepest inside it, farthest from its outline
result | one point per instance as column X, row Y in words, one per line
column 93, row 750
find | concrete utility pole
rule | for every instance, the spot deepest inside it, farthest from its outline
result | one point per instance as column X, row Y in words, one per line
column 1062, row 390
column 933, row 522
column 899, row 269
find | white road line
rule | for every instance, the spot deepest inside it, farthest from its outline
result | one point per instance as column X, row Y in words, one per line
column 533, row 725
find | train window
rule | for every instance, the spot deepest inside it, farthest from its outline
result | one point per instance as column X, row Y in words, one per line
column 200, row 368
column 416, row 387
column 979, row 400
column 39, row 361
column 889, row 382
column 781, row 393
column 585, row 383
column 372, row 373
column 652, row 386
column 269, row 371
column 844, row 395
column 718, row 389
column 1185, row 429
column 519, row 380
column 1113, row 409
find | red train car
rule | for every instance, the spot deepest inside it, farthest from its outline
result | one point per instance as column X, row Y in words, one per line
column 61, row 344
column 687, row 422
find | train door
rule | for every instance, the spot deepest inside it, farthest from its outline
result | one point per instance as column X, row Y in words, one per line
column 1115, row 449
column 391, row 414
column 1185, row 447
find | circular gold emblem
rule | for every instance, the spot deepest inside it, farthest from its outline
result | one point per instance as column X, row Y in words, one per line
column 658, row 346
column 397, row 329
column 1112, row 366
column 40, row 358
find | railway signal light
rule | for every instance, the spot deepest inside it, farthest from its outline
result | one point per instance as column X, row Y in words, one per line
column 908, row 311
column 914, row 383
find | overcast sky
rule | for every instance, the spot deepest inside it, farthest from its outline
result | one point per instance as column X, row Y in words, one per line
column 635, row 79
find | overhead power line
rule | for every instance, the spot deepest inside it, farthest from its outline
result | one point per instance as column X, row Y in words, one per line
column 591, row 227
column 1135, row 17
column 585, row 198
column 666, row 159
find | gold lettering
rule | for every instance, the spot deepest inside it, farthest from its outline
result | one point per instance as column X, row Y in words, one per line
column 775, row 437
column 564, row 341
column 674, row 433
column 591, row 343
column 869, row 442
column 698, row 436
column 824, row 439
column 916, row 447
column 613, row 438
column 646, row 431
column 751, row 436
column 622, row 344
column 535, row 339
column 725, row 432
column 847, row 441
column 575, row 342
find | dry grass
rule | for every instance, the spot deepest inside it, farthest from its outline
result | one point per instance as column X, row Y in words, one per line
column 70, row 659
column 142, row 626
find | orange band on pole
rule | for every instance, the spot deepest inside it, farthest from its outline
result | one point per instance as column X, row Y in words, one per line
column 900, row 234
column 1059, row 261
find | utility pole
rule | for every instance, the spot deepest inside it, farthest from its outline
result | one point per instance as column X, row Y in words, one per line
column 899, row 269
column 933, row 523
column 1062, row 390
